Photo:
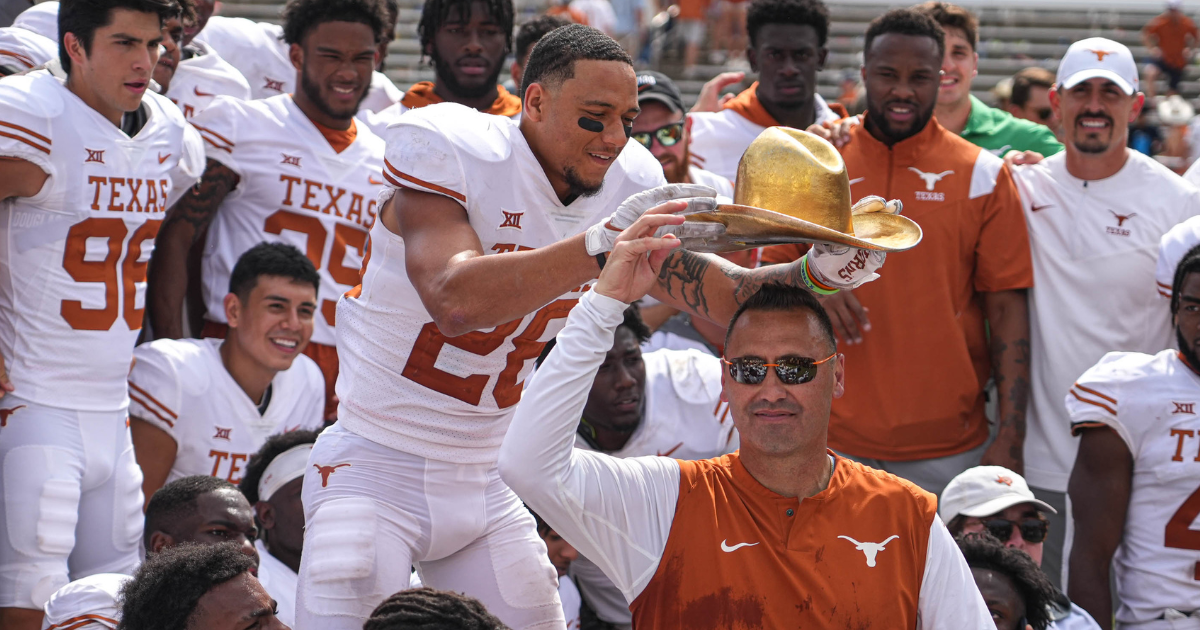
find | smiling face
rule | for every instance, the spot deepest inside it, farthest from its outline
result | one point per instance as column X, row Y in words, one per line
column 113, row 76
column 901, row 76
column 574, row 158
column 469, row 51
column 1095, row 115
column 335, row 66
column 275, row 321
column 959, row 66
column 617, row 398
column 787, row 58
column 168, row 62
column 771, row 417
column 238, row 604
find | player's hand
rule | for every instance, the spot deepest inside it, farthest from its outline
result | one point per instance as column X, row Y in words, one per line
column 843, row 267
column 600, row 237
column 637, row 256
column 1022, row 158
column 848, row 315
column 836, row 132
column 710, row 99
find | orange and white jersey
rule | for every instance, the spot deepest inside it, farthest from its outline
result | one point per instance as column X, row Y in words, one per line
column 73, row 257
column 1151, row 401
column 1171, row 250
column 403, row 383
column 202, row 77
column 294, row 188
column 182, row 387
column 90, row 603
column 1094, row 246
column 22, row 50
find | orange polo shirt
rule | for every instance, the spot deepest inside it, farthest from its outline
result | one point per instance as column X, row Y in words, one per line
column 422, row 94
column 740, row 556
column 914, row 387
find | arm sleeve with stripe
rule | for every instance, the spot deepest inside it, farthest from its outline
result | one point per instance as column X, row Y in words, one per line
column 217, row 125
column 25, row 131
column 949, row 599
column 616, row 512
column 1171, row 250
column 420, row 157
column 155, row 393
column 1093, row 398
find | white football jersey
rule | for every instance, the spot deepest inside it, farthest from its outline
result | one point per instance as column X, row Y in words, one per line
column 402, row 383
column 1171, row 250
column 382, row 95
column 294, row 188
column 202, row 77
column 1094, row 246
column 89, row 603
column 720, row 138
column 1151, row 402
column 22, row 50
column 73, row 257
column 279, row 580
column 182, row 387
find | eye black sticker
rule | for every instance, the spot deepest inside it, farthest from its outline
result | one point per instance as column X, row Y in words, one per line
column 594, row 126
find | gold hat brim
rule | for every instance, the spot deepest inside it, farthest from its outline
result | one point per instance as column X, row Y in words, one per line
column 747, row 227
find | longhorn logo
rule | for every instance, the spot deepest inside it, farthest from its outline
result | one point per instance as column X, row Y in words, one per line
column 931, row 179
column 1004, row 480
column 1122, row 218
column 5, row 413
column 869, row 549
column 325, row 471
column 1101, row 54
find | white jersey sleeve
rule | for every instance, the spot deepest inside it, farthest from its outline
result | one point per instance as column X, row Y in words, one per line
column 420, row 156
column 89, row 603
column 1174, row 245
column 1093, row 399
column 217, row 125
column 22, row 50
column 617, row 512
column 949, row 599
column 155, row 392
column 191, row 165
column 25, row 117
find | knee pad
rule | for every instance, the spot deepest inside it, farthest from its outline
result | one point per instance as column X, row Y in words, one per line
column 41, row 509
column 339, row 576
column 524, row 576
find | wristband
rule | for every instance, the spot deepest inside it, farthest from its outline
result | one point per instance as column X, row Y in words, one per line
column 601, row 258
column 814, row 285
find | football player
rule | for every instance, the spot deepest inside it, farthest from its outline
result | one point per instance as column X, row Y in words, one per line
column 503, row 225
column 88, row 167
column 292, row 168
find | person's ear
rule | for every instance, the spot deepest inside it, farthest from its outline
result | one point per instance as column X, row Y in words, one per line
column 296, row 56
column 266, row 514
column 159, row 540
column 233, row 309
column 535, row 103
column 75, row 49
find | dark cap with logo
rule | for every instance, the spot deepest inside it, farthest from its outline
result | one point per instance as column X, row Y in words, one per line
column 656, row 86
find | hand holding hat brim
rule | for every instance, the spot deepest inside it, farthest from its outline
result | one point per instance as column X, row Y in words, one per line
column 746, row 227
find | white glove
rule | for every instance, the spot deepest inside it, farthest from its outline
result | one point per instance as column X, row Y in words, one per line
column 600, row 237
column 843, row 267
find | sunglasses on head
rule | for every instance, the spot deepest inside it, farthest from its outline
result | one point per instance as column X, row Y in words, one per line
column 668, row 135
column 1033, row 530
column 790, row 370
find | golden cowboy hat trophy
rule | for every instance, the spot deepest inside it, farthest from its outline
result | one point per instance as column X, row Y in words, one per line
column 792, row 187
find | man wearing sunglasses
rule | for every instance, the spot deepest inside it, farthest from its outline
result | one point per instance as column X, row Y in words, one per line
column 1030, row 99
column 783, row 531
column 997, row 500
column 662, row 128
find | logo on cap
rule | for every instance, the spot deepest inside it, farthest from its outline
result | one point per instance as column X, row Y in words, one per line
column 1004, row 480
column 645, row 82
column 1101, row 54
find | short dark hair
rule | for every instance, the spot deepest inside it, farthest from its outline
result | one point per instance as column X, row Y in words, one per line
column 983, row 551
column 542, row 526
column 431, row 609
column 1024, row 81
column 812, row 13
column 83, row 17
column 436, row 12
column 271, row 449
column 905, row 22
column 533, row 31
column 953, row 16
column 166, row 589
column 177, row 500
column 1189, row 264
column 633, row 321
column 271, row 259
column 778, row 297
column 302, row 16
column 553, row 58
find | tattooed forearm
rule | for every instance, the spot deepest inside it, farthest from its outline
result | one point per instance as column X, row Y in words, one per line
column 1008, row 318
column 693, row 281
column 199, row 205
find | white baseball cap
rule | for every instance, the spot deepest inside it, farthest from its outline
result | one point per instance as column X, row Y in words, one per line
column 1097, row 57
column 985, row 490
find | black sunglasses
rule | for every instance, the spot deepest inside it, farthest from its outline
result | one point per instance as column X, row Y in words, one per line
column 1044, row 113
column 1033, row 530
column 790, row 370
column 668, row 135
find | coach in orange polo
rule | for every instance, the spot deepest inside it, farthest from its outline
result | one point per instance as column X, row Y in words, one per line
column 782, row 533
column 917, row 374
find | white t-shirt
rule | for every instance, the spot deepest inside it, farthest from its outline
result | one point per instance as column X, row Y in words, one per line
column 720, row 138
column 279, row 580
column 1150, row 401
column 182, row 387
column 619, row 512
column 203, row 77
column 74, row 256
column 294, row 188
column 1094, row 246
column 401, row 382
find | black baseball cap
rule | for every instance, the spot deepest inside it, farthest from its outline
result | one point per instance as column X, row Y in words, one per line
column 656, row 86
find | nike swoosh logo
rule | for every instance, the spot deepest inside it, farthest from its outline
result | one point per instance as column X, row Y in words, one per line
column 199, row 93
column 373, row 181
column 1040, row 208
column 726, row 548
column 856, row 180
column 163, row 158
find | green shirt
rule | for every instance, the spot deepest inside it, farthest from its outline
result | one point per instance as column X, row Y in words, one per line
column 999, row 132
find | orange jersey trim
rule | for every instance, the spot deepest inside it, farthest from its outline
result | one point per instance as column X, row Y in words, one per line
column 26, row 130
column 1078, row 427
column 205, row 132
column 338, row 139
column 19, row 57
column 749, row 107
column 1096, row 393
column 419, row 182
column 1092, row 402
column 422, row 94
column 75, row 622
column 28, row 141
column 164, row 408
